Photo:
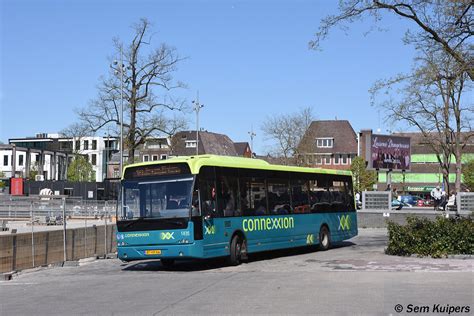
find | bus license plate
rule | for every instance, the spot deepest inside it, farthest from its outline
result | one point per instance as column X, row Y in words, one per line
column 152, row 252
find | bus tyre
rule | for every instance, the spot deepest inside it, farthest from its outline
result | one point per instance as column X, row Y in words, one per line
column 324, row 238
column 235, row 251
column 167, row 263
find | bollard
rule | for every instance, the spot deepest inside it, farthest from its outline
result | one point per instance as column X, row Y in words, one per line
column 32, row 233
column 85, row 235
column 105, row 232
column 64, row 230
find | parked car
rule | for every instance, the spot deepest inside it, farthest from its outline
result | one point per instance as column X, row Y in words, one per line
column 396, row 204
column 421, row 203
column 410, row 199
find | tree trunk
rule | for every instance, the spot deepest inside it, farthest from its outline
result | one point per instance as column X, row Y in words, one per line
column 458, row 157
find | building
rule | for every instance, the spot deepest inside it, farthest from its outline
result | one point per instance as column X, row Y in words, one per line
column 50, row 154
column 330, row 144
column 154, row 149
column 98, row 150
column 424, row 173
column 21, row 162
column 243, row 149
column 184, row 144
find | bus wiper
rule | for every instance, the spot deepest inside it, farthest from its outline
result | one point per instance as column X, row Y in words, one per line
column 177, row 223
column 133, row 222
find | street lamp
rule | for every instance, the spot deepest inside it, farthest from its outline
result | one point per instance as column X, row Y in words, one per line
column 252, row 135
column 197, row 108
column 120, row 70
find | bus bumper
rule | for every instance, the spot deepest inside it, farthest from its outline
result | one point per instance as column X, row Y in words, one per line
column 182, row 251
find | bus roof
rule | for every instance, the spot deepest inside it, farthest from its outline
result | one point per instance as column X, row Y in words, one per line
column 196, row 162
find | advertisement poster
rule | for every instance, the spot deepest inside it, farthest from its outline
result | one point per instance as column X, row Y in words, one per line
column 389, row 153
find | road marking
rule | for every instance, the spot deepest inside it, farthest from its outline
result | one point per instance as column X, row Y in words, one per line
column 10, row 283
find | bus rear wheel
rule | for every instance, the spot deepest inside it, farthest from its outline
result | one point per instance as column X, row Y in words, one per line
column 167, row 263
column 236, row 247
column 324, row 238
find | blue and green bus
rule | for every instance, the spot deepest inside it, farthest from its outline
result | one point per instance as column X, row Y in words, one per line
column 214, row 206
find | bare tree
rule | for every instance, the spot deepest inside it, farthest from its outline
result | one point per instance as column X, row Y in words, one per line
column 430, row 99
column 444, row 25
column 147, row 82
column 287, row 131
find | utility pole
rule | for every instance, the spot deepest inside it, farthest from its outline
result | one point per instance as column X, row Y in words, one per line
column 122, row 66
column 252, row 135
column 197, row 108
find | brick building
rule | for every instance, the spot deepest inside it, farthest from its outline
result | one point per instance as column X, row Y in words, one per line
column 330, row 144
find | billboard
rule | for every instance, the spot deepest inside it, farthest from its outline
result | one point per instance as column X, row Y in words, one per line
column 389, row 153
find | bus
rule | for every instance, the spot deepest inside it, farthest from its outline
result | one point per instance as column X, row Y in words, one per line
column 209, row 206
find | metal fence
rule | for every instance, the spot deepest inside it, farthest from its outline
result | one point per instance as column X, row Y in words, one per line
column 19, row 207
column 376, row 200
column 58, row 228
column 465, row 202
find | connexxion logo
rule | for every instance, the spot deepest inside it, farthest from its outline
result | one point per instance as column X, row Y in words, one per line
column 254, row 224
column 344, row 222
column 167, row 236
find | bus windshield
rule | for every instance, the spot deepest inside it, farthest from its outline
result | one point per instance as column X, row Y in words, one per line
column 166, row 198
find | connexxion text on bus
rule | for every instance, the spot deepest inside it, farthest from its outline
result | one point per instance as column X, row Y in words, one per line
column 213, row 206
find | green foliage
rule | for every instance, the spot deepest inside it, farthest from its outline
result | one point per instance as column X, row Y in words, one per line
column 437, row 239
column 2, row 183
column 364, row 180
column 80, row 169
column 34, row 171
column 468, row 175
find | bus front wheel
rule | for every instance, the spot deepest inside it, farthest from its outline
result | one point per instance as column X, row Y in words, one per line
column 236, row 244
column 324, row 238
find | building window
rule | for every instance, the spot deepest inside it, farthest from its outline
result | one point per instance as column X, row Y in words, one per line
column 20, row 160
column 116, row 173
column 78, row 145
column 154, row 157
column 86, row 145
column 327, row 160
column 163, row 157
column 5, row 160
column 37, row 158
column 324, row 142
column 94, row 159
column 94, row 144
column 319, row 160
column 344, row 160
column 191, row 144
column 336, row 159
column 146, row 158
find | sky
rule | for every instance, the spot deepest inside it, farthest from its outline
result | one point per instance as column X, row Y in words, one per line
column 249, row 60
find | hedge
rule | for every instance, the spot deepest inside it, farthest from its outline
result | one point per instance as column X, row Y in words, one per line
column 438, row 238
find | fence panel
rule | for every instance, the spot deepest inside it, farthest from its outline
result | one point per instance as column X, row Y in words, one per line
column 376, row 200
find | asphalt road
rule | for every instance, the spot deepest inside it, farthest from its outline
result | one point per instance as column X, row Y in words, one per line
column 353, row 278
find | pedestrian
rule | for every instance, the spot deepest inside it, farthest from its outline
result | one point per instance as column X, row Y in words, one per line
column 358, row 201
column 436, row 194
column 394, row 194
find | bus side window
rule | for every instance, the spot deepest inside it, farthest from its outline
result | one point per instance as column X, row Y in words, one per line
column 300, row 196
column 253, row 196
column 207, row 192
column 228, row 192
column 279, row 196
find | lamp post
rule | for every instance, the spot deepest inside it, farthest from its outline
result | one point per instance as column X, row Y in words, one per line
column 120, row 69
column 197, row 108
column 252, row 135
